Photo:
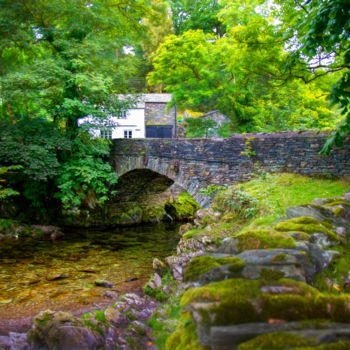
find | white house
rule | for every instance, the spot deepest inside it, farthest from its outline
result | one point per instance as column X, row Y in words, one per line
column 147, row 118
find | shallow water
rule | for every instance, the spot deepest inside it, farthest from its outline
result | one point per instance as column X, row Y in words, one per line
column 39, row 275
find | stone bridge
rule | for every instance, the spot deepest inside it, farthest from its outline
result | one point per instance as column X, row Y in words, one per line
column 195, row 163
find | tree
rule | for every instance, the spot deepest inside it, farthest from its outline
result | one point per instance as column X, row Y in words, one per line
column 60, row 61
column 319, row 31
column 197, row 14
column 243, row 74
column 69, row 61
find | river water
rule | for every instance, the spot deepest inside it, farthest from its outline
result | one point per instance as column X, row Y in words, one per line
column 60, row 275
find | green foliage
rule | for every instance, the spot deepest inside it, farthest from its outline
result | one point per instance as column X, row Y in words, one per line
column 210, row 190
column 199, row 127
column 5, row 191
column 237, row 201
column 243, row 74
column 64, row 60
column 85, row 176
column 197, row 14
column 322, row 32
column 35, row 145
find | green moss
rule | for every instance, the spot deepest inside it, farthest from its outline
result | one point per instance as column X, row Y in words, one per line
column 307, row 225
column 152, row 214
column 277, row 341
column 236, row 301
column 279, row 257
column 341, row 345
column 262, row 239
column 184, row 208
column 45, row 317
column 337, row 202
column 338, row 211
column 189, row 234
column 201, row 264
column 93, row 326
column 100, row 315
column 185, row 336
column 271, row 275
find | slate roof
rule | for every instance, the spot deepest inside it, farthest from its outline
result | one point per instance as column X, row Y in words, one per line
column 144, row 98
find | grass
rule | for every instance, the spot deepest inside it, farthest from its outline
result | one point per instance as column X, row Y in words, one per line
column 160, row 328
column 276, row 192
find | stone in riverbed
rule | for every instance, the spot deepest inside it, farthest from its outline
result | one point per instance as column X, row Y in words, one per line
column 103, row 283
column 159, row 267
column 63, row 331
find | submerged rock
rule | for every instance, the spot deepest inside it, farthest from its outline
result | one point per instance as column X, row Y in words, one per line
column 103, row 283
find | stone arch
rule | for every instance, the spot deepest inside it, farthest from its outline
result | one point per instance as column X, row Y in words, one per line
column 168, row 167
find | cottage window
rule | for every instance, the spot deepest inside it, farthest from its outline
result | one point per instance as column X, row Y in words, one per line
column 127, row 134
column 106, row 133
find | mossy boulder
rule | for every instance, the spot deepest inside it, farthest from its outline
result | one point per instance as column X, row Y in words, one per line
column 183, row 208
column 263, row 238
column 320, row 213
column 310, row 226
column 202, row 264
column 63, row 331
column 185, row 335
column 277, row 341
column 236, row 301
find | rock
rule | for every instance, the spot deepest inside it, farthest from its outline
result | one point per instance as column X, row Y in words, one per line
column 111, row 295
column 159, row 267
column 228, row 246
column 112, row 315
column 157, row 280
column 19, row 341
column 228, row 337
column 103, row 283
column 185, row 227
column 5, row 342
column 346, row 195
column 319, row 213
column 63, row 331
column 178, row 263
column 57, row 276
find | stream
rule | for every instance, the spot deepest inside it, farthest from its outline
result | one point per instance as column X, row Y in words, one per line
column 59, row 275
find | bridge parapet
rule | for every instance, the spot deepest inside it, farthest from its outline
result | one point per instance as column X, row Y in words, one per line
column 195, row 163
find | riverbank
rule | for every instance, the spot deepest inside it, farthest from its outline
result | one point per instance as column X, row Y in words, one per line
column 240, row 267
column 241, row 276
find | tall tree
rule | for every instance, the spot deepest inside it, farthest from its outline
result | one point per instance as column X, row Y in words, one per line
column 71, row 59
column 319, row 32
column 197, row 14
column 62, row 60
column 244, row 74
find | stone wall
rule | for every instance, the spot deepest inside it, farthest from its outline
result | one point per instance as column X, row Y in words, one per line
column 156, row 114
column 195, row 163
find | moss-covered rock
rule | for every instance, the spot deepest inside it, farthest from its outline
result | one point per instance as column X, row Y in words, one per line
column 263, row 238
column 183, row 208
column 185, row 336
column 237, row 301
column 202, row 264
column 308, row 225
column 277, row 341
